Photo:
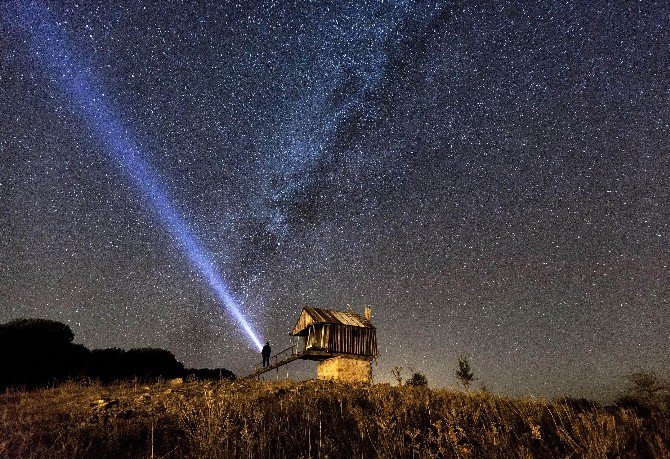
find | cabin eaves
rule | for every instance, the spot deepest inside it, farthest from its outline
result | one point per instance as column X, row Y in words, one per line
column 311, row 316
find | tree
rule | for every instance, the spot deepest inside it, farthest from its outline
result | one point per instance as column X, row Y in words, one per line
column 646, row 386
column 417, row 380
column 152, row 363
column 107, row 365
column 397, row 374
column 35, row 352
column 645, row 393
column 464, row 374
column 145, row 363
column 38, row 351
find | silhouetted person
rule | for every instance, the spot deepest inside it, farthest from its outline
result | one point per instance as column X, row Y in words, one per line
column 266, row 354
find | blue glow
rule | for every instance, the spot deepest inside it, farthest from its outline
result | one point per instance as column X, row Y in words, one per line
column 47, row 44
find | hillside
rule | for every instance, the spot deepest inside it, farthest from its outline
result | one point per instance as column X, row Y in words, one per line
column 312, row 419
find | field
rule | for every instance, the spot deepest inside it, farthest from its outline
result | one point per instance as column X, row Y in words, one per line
column 312, row 419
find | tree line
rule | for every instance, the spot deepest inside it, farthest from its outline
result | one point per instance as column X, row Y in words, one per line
column 37, row 352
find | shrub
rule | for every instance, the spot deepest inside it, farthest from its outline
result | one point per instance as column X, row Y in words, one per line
column 417, row 380
column 646, row 392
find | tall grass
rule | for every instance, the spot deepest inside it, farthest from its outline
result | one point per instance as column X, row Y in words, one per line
column 312, row 420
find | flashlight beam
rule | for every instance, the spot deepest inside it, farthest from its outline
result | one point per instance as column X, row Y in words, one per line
column 48, row 44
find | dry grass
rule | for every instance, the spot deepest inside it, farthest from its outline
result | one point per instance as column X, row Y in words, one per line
column 311, row 419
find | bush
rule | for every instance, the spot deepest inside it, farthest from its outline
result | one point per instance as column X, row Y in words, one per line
column 635, row 405
column 646, row 393
column 417, row 380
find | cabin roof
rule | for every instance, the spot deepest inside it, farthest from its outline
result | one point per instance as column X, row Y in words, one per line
column 310, row 316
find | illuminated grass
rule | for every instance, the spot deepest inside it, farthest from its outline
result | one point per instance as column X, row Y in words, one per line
column 311, row 419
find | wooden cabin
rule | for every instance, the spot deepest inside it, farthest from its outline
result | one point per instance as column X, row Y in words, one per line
column 343, row 342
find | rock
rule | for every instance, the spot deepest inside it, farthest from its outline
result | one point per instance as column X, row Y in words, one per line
column 176, row 381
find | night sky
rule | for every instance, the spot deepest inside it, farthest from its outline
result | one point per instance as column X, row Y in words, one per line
column 492, row 178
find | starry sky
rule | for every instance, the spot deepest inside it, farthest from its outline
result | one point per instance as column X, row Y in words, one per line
column 493, row 178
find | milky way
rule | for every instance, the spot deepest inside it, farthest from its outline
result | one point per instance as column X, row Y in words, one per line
column 493, row 180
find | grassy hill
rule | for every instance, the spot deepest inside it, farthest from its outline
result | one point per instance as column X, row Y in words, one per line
column 312, row 419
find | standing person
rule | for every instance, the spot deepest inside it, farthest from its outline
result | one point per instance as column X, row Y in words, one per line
column 266, row 354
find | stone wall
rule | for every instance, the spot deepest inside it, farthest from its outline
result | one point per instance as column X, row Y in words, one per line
column 345, row 368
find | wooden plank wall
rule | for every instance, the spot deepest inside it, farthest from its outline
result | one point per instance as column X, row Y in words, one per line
column 343, row 338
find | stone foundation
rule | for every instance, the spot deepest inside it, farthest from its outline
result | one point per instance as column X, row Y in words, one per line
column 347, row 369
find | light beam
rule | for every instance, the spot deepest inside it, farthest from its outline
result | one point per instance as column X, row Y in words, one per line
column 48, row 45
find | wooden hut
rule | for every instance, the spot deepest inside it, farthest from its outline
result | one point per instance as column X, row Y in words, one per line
column 343, row 343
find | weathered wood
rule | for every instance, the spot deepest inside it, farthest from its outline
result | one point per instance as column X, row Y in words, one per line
column 344, row 342
column 345, row 339
column 310, row 316
column 260, row 371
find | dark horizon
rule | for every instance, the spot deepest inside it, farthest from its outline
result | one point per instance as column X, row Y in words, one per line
column 493, row 180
